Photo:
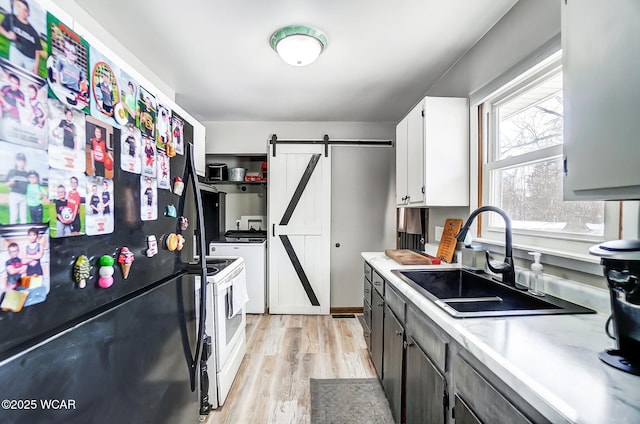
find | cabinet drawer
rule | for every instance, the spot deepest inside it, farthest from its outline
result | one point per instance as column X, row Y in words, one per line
column 489, row 405
column 367, row 292
column 378, row 283
column 395, row 303
column 428, row 337
column 367, row 271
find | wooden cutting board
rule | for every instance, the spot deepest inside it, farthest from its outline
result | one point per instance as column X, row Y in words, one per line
column 407, row 257
column 448, row 242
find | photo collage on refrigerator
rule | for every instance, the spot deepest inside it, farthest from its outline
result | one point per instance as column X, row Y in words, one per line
column 61, row 102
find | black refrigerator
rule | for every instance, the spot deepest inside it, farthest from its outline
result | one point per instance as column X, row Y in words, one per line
column 129, row 353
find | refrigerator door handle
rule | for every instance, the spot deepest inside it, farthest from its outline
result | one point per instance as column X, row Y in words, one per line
column 191, row 176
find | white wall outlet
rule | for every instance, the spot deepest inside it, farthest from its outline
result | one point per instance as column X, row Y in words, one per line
column 439, row 231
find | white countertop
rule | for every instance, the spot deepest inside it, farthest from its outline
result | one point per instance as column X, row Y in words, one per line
column 550, row 360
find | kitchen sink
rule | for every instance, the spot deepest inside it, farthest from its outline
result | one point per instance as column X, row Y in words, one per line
column 465, row 294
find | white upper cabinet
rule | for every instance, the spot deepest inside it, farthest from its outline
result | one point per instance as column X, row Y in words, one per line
column 199, row 150
column 432, row 154
column 601, row 65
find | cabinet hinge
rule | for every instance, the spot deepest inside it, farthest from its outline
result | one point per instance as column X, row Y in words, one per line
column 564, row 166
column 445, row 400
column 422, row 113
column 422, row 189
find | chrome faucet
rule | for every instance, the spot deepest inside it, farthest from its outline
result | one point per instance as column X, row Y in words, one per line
column 506, row 268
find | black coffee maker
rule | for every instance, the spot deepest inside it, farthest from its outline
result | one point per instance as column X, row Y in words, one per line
column 621, row 263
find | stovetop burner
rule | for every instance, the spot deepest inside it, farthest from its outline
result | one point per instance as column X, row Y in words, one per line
column 217, row 264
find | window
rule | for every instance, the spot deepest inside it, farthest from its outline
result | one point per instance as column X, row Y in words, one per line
column 522, row 169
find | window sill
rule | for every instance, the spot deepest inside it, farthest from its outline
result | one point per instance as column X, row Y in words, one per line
column 573, row 261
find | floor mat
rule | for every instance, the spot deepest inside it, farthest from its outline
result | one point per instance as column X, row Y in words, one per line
column 349, row 400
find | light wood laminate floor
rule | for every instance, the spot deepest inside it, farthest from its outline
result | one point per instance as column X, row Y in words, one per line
column 283, row 353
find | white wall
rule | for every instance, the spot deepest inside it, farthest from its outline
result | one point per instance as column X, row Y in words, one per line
column 363, row 196
column 253, row 137
column 527, row 27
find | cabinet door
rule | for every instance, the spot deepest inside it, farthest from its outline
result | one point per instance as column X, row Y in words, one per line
column 600, row 47
column 392, row 362
column 487, row 402
column 426, row 388
column 446, row 151
column 366, row 291
column 366, row 328
column 464, row 414
column 377, row 331
column 401, row 162
column 415, row 156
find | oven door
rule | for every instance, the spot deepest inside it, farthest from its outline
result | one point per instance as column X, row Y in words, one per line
column 229, row 331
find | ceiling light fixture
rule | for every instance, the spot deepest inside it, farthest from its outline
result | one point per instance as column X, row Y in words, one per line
column 299, row 45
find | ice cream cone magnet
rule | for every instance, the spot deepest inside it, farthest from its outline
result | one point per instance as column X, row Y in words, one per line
column 81, row 271
column 125, row 259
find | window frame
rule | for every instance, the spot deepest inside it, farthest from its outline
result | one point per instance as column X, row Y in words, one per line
column 568, row 249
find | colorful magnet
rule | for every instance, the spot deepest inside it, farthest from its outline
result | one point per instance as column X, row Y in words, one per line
column 183, row 223
column 181, row 241
column 106, row 271
column 81, row 271
column 125, row 259
column 170, row 242
column 171, row 149
column 178, row 186
column 152, row 246
column 170, row 210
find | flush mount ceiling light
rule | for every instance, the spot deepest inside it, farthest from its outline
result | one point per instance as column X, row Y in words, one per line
column 299, row 45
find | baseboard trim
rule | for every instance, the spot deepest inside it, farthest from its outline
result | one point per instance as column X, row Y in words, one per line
column 346, row 310
column 338, row 310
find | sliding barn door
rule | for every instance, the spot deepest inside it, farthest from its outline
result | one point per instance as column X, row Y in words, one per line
column 299, row 198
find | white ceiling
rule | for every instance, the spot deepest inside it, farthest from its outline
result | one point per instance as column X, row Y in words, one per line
column 382, row 56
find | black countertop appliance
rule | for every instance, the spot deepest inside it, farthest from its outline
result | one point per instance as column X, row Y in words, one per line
column 621, row 264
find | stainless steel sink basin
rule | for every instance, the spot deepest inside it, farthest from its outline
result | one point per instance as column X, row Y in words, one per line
column 464, row 294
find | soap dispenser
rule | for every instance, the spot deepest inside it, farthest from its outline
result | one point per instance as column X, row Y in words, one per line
column 536, row 279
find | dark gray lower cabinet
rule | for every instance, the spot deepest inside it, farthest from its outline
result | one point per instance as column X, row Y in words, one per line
column 420, row 366
column 425, row 388
column 377, row 331
column 488, row 403
column 464, row 414
column 392, row 362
